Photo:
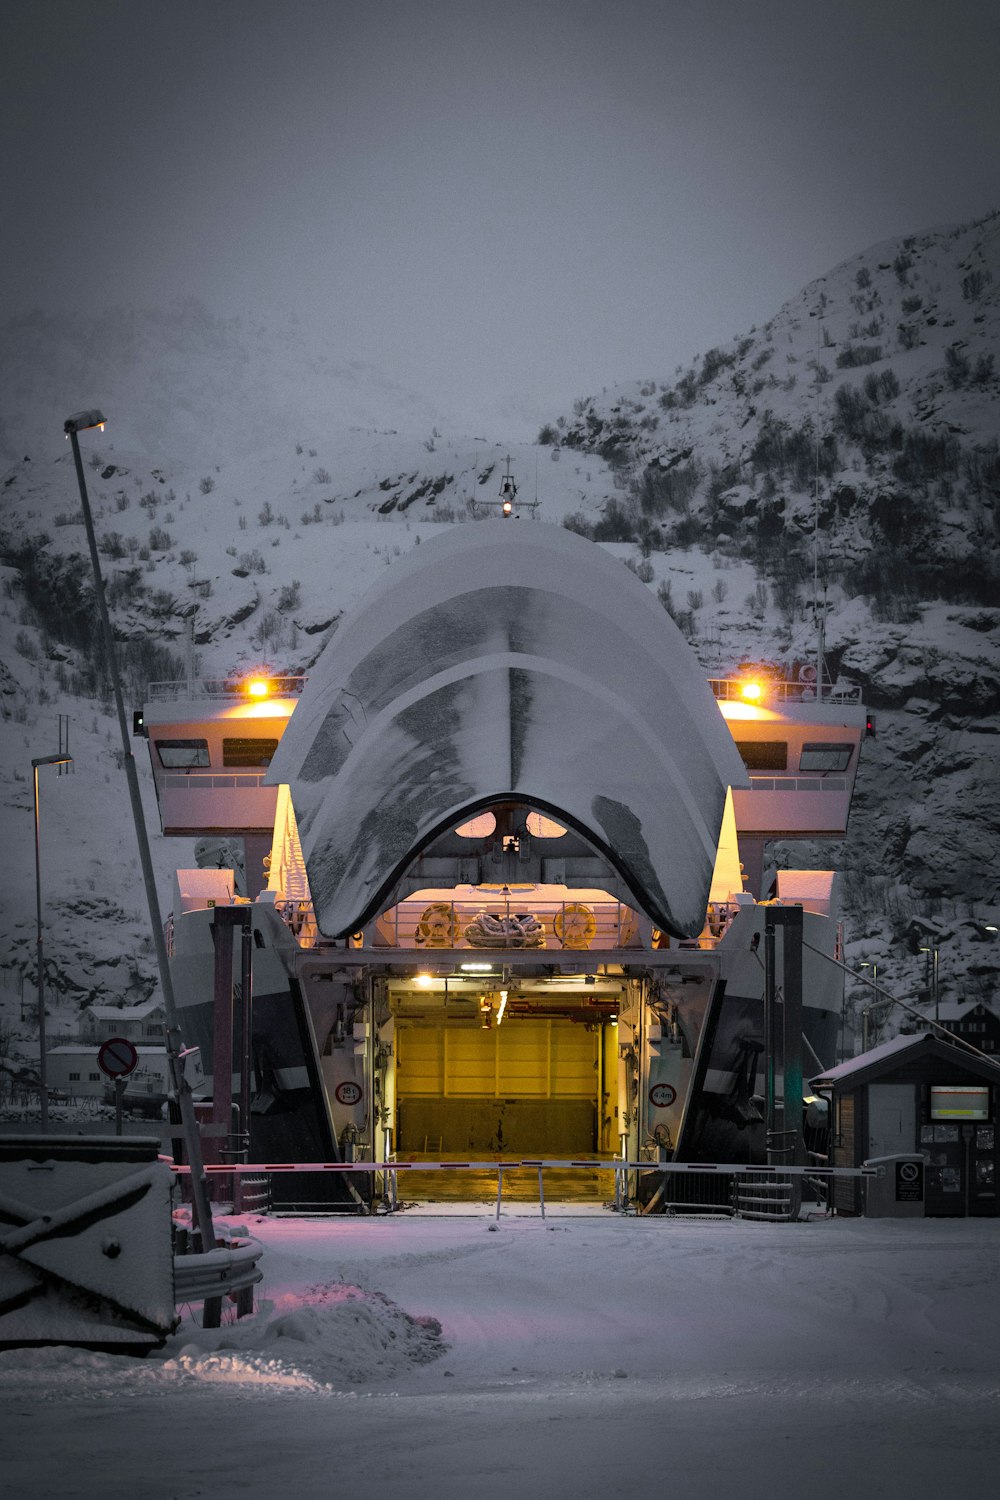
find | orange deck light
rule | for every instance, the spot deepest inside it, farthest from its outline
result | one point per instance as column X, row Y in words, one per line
column 258, row 687
column 751, row 692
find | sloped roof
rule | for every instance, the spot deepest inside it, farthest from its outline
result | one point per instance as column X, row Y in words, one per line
column 508, row 659
column 123, row 1012
column 883, row 1058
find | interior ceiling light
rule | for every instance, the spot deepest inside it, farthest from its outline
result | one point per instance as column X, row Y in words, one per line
column 425, row 980
column 477, row 968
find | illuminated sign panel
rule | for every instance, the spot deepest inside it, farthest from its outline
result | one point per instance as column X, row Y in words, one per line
column 960, row 1101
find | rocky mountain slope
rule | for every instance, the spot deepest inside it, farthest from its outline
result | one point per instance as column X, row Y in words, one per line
column 853, row 437
column 848, row 449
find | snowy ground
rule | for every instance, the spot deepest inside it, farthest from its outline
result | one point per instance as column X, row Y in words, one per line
column 577, row 1356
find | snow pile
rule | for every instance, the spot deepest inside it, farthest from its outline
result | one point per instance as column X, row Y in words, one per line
column 318, row 1339
column 330, row 1334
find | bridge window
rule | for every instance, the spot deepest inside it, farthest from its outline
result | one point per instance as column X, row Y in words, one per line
column 182, row 755
column 764, row 755
column 248, row 752
column 477, row 828
column 825, row 757
column 544, row 828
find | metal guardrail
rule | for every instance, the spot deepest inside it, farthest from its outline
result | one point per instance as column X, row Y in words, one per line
column 288, row 685
column 217, row 1273
column 730, row 689
column 560, row 925
column 215, row 781
column 760, row 1178
column 798, row 783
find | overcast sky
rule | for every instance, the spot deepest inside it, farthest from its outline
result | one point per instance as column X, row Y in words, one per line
column 494, row 202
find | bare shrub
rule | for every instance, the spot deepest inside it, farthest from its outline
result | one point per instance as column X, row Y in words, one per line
column 112, row 545
column 290, row 596
column 855, row 355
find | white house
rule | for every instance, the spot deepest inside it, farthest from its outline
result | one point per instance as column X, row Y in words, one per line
column 73, row 1069
column 143, row 1025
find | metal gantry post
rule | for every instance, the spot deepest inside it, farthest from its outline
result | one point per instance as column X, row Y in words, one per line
column 175, row 1048
column 783, row 1044
column 770, row 1037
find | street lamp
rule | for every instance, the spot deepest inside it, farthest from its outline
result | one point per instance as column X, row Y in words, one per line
column 867, row 1010
column 933, row 965
column 43, row 1087
column 175, row 1051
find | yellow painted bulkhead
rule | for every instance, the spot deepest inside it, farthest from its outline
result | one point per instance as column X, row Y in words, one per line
column 529, row 1087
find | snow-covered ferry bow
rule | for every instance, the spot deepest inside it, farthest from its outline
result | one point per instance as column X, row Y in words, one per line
column 514, row 846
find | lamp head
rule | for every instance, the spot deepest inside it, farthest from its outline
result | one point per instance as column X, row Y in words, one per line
column 83, row 420
column 52, row 760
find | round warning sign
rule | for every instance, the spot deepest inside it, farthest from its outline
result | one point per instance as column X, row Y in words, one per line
column 662, row 1095
column 117, row 1057
column 348, row 1092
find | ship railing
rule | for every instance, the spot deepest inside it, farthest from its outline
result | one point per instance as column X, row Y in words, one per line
column 798, row 783
column 408, row 926
column 214, row 781
column 290, row 685
column 512, row 922
column 285, row 685
column 782, row 691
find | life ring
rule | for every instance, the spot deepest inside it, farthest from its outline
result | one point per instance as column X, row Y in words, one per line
column 437, row 927
column 807, row 672
column 575, row 925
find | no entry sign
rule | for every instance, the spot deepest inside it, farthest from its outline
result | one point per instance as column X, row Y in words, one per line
column 117, row 1057
column 662, row 1095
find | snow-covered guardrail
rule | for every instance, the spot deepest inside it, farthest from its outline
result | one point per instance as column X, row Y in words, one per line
column 216, row 1273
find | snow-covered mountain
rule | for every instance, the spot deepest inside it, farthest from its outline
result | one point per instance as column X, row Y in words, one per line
column 248, row 489
column 856, row 433
column 185, row 385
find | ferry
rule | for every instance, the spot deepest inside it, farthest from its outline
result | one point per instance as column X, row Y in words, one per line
column 504, row 889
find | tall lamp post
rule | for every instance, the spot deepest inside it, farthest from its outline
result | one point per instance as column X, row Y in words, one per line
column 81, row 422
column 867, row 1010
column 932, row 962
column 43, row 1083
